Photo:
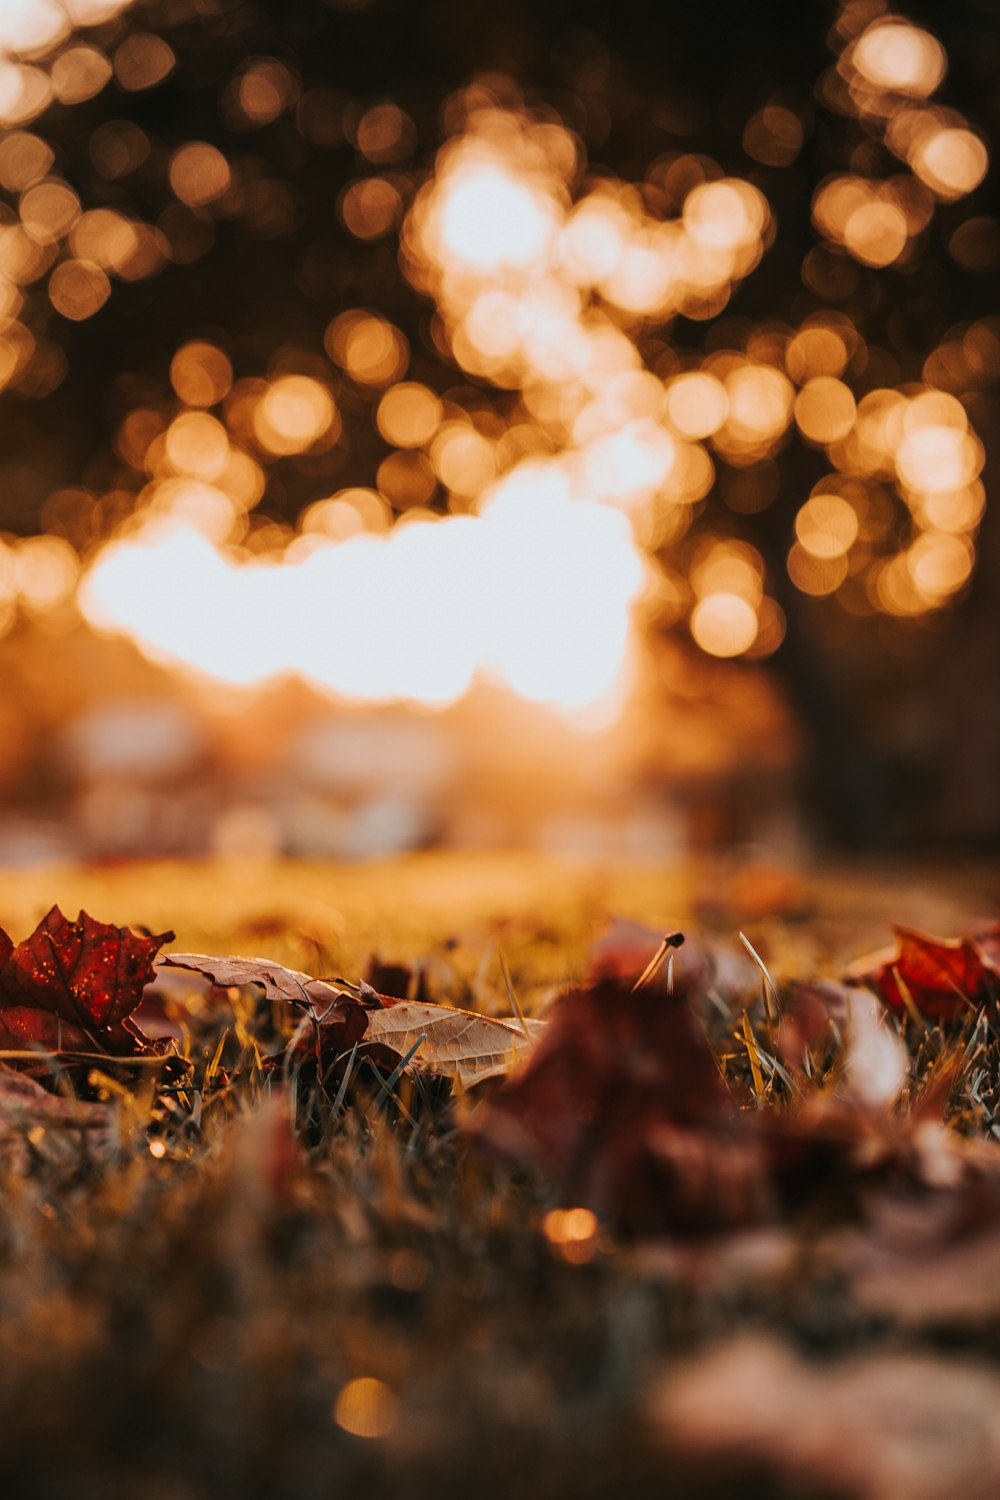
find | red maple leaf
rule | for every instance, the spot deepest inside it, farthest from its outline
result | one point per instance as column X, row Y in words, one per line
column 942, row 976
column 72, row 986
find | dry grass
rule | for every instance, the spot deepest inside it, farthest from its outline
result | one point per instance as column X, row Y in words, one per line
column 182, row 1314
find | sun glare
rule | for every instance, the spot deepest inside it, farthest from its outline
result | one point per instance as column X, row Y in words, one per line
column 502, row 525
column 534, row 593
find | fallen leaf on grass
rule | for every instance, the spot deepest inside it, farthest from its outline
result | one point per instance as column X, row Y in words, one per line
column 71, row 987
column 941, row 976
column 877, row 1063
column 622, row 1104
column 278, row 982
column 331, row 1021
column 33, row 1120
column 458, row 1044
column 874, row 1427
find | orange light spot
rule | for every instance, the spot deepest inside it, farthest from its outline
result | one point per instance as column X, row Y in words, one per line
column 816, row 575
column 199, row 173
column 371, row 350
column 142, row 61
column 895, row 55
column 952, row 162
column 826, row 526
column 79, row 73
column 815, row 351
column 697, row 404
column 409, row 415
column 196, row 444
column 371, row 208
column 825, row 410
column 78, row 289
column 200, row 373
column 366, row 1408
column 724, row 624
column 295, row 412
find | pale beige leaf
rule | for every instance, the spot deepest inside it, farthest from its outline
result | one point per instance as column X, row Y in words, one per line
column 535, row 1026
column 457, row 1044
column 279, row 983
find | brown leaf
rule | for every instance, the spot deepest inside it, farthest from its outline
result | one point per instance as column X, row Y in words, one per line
column 457, row 1044
column 331, row 1040
column 943, row 977
column 394, row 980
column 73, row 986
column 622, row 1104
column 872, row 1427
column 278, row 982
column 333, row 1020
column 55, row 1125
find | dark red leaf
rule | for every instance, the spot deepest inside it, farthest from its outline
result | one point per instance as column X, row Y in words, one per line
column 392, row 980
column 623, row 1107
column 23, row 1027
column 622, row 1104
column 72, row 986
column 332, row 1039
column 942, row 976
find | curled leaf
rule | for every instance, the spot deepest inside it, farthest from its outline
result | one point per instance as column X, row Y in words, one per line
column 278, row 982
column 456, row 1044
column 941, row 977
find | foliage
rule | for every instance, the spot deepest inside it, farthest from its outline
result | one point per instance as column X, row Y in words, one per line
column 279, row 1264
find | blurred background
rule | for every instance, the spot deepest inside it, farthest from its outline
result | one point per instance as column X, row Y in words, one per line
column 565, row 426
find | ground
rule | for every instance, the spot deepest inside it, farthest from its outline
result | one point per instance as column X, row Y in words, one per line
column 382, row 1310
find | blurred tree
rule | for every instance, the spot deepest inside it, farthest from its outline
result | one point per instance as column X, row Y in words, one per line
column 225, row 145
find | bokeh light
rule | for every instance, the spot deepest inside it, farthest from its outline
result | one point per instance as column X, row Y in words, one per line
column 529, row 385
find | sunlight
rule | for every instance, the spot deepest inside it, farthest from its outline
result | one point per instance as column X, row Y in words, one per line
column 496, row 529
column 534, row 592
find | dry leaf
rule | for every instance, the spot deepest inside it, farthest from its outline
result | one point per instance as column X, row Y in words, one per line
column 278, row 982
column 623, row 1106
column 337, row 1021
column 56, row 1126
column 942, row 976
column 875, row 1427
column 457, row 1044
column 73, row 986
column 930, row 1263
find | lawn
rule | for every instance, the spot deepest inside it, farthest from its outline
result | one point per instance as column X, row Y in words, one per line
column 195, row 1300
